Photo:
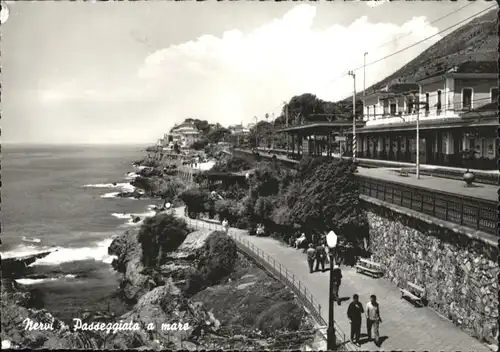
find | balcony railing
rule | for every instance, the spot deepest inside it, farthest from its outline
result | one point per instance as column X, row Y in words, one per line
column 466, row 211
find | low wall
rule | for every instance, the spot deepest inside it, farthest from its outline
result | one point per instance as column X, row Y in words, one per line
column 458, row 272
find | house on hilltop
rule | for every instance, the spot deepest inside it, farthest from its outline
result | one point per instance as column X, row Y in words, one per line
column 456, row 108
column 184, row 135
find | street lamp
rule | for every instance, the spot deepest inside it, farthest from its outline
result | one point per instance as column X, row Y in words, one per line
column 417, row 159
column 331, row 242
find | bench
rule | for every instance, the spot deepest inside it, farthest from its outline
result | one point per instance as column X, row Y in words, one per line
column 414, row 292
column 368, row 267
column 404, row 172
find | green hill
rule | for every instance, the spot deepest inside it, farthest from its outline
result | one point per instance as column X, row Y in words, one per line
column 476, row 40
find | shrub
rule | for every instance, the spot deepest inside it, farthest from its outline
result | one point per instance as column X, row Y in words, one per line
column 232, row 164
column 160, row 235
column 217, row 259
column 195, row 201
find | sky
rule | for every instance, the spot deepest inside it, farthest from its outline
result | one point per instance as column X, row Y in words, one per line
column 126, row 72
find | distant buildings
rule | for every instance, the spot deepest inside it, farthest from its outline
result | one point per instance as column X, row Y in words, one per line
column 457, row 110
column 239, row 134
column 184, row 135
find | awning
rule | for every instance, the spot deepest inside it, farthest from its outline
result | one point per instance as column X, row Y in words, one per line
column 321, row 126
column 432, row 124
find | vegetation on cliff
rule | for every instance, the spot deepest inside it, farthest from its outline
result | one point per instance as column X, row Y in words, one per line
column 160, row 235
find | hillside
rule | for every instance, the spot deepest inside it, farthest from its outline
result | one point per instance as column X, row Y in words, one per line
column 476, row 40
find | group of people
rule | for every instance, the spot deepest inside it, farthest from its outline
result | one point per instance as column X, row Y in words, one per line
column 355, row 314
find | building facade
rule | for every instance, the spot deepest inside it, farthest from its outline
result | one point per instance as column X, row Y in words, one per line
column 184, row 135
column 457, row 111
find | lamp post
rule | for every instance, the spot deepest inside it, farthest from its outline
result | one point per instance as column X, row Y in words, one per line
column 417, row 146
column 331, row 241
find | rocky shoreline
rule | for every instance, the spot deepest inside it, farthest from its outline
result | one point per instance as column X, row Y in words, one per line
column 241, row 307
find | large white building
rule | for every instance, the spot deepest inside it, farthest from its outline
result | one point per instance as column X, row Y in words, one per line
column 184, row 135
column 456, row 108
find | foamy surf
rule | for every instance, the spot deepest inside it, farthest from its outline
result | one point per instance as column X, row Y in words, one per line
column 24, row 251
column 31, row 239
column 97, row 252
column 28, row 281
column 131, row 217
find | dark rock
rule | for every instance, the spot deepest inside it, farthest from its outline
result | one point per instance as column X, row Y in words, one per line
column 16, row 267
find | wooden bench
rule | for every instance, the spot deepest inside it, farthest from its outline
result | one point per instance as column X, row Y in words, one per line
column 368, row 267
column 414, row 292
column 404, row 172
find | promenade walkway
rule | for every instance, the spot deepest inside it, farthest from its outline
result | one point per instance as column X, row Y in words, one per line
column 457, row 187
column 482, row 191
column 404, row 327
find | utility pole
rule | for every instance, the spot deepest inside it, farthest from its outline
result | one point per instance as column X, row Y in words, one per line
column 364, row 73
column 351, row 73
column 256, row 135
column 286, row 124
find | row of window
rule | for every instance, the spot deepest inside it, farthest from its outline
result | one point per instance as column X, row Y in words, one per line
column 412, row 105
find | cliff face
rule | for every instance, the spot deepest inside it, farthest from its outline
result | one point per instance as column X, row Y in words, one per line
column 244, row 304
column 16, row 316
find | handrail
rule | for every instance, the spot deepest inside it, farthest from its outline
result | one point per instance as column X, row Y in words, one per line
column 479, row 214
column 279, row 271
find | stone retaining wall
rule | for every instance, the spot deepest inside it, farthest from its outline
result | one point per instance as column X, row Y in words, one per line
column 459, row 274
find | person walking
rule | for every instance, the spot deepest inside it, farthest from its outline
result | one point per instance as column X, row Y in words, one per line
column 355, row 314
column 311, row 255
column 320, row 257
column 373, row 319
column 337, row 280
column 225, row 226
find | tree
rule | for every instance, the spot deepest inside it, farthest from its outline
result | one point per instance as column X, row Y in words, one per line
column 177, row 148
column 195, row 201
column 330, row 188
column 160, row 235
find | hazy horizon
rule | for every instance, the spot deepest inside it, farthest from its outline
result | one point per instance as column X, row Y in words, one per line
column 122, row 73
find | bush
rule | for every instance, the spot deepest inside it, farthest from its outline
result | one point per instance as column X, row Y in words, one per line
column 160, row 235
column 217, row 259
column 195, row 201
column 232, row 164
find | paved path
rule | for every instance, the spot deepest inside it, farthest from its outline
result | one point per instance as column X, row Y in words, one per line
column 482, row 191
column 404, row 326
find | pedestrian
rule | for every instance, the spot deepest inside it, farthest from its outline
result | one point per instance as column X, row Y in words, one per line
column 355, row 313
column 373, row 319
column 320, row 257
column 311, row 255
column 337, row 280
column 225, row 226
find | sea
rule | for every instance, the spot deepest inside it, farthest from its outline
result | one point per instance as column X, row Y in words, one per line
column 63, row 198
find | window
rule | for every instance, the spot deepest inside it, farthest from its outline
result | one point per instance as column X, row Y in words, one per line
column 426, row 102
column 494, row 95
column 466, row 98
column 393, row 109
column 472, row 144
column 438, row 105
column 374, row 112
column 410, row 105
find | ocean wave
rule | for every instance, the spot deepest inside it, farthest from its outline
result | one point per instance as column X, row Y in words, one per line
column 110, row 195
column 132, row 216
column 97, row 252
column 28, row 281
column 24, row 251
column 124, row 186
column 131, row 175
column 31, row 239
